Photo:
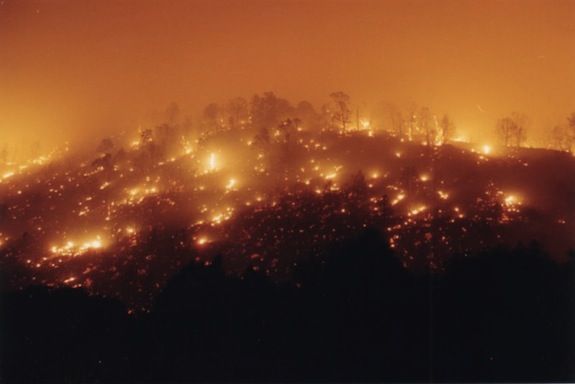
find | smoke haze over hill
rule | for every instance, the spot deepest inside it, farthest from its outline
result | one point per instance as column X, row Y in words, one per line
column 78, row 69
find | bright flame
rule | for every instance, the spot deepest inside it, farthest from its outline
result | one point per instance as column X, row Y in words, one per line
column 417, row 210
column 231, row 183
column 511, row 200
column 330, row 176
column 460, row 139
column 71, row 248
column 212, row 162
column 399, row 197
column 8, row 174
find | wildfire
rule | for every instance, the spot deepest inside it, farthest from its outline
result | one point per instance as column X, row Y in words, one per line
column 231, row 184
column 220, row 217
column 330, row 176
column 511, row 201
column 398, row 198
column 212, row 162
column 138, row 194
column 3, row 240
column 137, row 201
column 72, row 248
column 443, row 195
column 460, row 139
column 417, row 210
column 8, row 175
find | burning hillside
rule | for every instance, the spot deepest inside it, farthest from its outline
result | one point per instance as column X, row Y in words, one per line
column 123, row 220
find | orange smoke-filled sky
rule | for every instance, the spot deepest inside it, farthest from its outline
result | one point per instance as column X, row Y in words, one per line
column 79, row 68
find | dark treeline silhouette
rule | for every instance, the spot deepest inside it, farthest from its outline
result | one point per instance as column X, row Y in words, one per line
column 357, row 315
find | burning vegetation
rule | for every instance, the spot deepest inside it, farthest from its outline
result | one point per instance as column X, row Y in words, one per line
column 400, row 208
column 269, row 185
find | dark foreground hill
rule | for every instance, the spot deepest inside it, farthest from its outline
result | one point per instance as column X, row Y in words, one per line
column 357, row 315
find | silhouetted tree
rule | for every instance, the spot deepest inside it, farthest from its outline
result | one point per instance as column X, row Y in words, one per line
column 105, row 146
column 341, row 112
column 238, row 113
column 447, row 129
column 213, row 117
column 288, row 127
column 570, row 134
column 308, row 116
column 146, row 136
column 427, row 126
column 268, row 111
column 512, row 130
column 397, row 121
column 172, row 114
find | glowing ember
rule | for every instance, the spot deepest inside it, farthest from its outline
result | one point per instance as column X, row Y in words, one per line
column 511, row 200
column 231, row 183
column 71, row 248
column 417, row 210
column 398, row 198
column 8, row 174
column 330, row 176
column 212, row 162
column 486, row 149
